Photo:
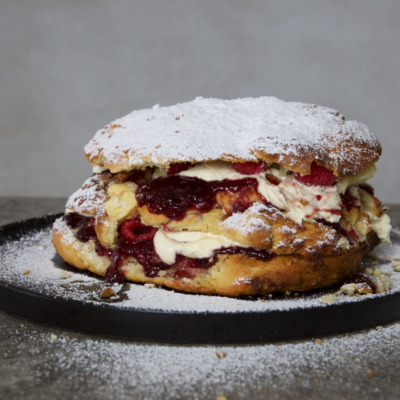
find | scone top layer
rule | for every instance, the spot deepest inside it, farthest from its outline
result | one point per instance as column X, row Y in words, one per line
column 292, row 134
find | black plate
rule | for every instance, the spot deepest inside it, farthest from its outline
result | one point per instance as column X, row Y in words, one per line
column 186, row 327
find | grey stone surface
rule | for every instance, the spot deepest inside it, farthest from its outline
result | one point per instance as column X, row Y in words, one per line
column 69, row 67
column 42, row 362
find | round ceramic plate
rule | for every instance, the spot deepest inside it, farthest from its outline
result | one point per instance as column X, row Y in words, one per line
column 35, row 283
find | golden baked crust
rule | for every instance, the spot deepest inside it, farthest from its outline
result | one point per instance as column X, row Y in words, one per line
column 91, row 195
column 292, row 134
column 232, row 275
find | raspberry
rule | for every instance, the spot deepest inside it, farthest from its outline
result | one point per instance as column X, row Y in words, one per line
column 133, row 231
column 319, row 176
column 178, row 167
column 250, row 168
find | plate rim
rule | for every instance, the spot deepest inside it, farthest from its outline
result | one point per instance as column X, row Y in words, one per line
column 204, row 327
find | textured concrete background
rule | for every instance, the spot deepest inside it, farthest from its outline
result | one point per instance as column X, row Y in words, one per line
column 69, row 67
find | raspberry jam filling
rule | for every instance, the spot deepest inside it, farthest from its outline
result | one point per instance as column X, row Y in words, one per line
column 175, row 195
column 136, row 240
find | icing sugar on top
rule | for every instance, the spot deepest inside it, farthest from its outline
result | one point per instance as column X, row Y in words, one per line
column 89, row 197
column 235, row 130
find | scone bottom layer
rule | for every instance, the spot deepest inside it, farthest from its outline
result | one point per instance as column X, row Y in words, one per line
column 136, row 240
column 274, row 229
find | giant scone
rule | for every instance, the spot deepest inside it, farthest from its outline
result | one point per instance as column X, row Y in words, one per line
column 231, row 197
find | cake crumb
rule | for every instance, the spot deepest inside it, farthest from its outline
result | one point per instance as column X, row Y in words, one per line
column 377, row 272
column 368, row 271
column 319, row 341
column 26, row 272
column 329, row 298
column 106, row 293
column 353, row 289
column 370, row 373
column 221, row 354
column 396, row 266
column 65, row 275
column 375, row 263
column 150, row 285
column 53, row 337
column 221, row 398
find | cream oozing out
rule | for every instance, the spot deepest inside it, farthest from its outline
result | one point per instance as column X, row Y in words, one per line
column 189, row 244
column 301, row 202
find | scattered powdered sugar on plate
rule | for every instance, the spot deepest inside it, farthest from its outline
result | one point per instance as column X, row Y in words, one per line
column 30, row 262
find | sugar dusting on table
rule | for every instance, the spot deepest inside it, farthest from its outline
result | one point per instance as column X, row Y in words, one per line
column 352, row 366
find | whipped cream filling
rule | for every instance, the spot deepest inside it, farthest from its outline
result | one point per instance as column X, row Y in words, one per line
column 381, row 225
column 301, row 201
column 311, row 202
column 189, row 244
column 355, row 180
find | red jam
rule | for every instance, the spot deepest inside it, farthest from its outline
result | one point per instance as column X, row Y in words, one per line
column 143, row 250
column 138, row 177
column 175, row 195
column 349, row 201
column 174, row 169
column 360, row 278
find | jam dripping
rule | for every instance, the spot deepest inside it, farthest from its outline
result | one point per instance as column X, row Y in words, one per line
column 142, row 249
column 85, row 226
column 175, row 195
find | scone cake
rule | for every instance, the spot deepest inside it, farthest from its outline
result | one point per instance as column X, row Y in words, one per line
column 229, row 197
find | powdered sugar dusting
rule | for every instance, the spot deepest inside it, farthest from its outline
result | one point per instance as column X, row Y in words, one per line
column 355, row 366
column 87, row 199
column 249, row 221
column 236, row 129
